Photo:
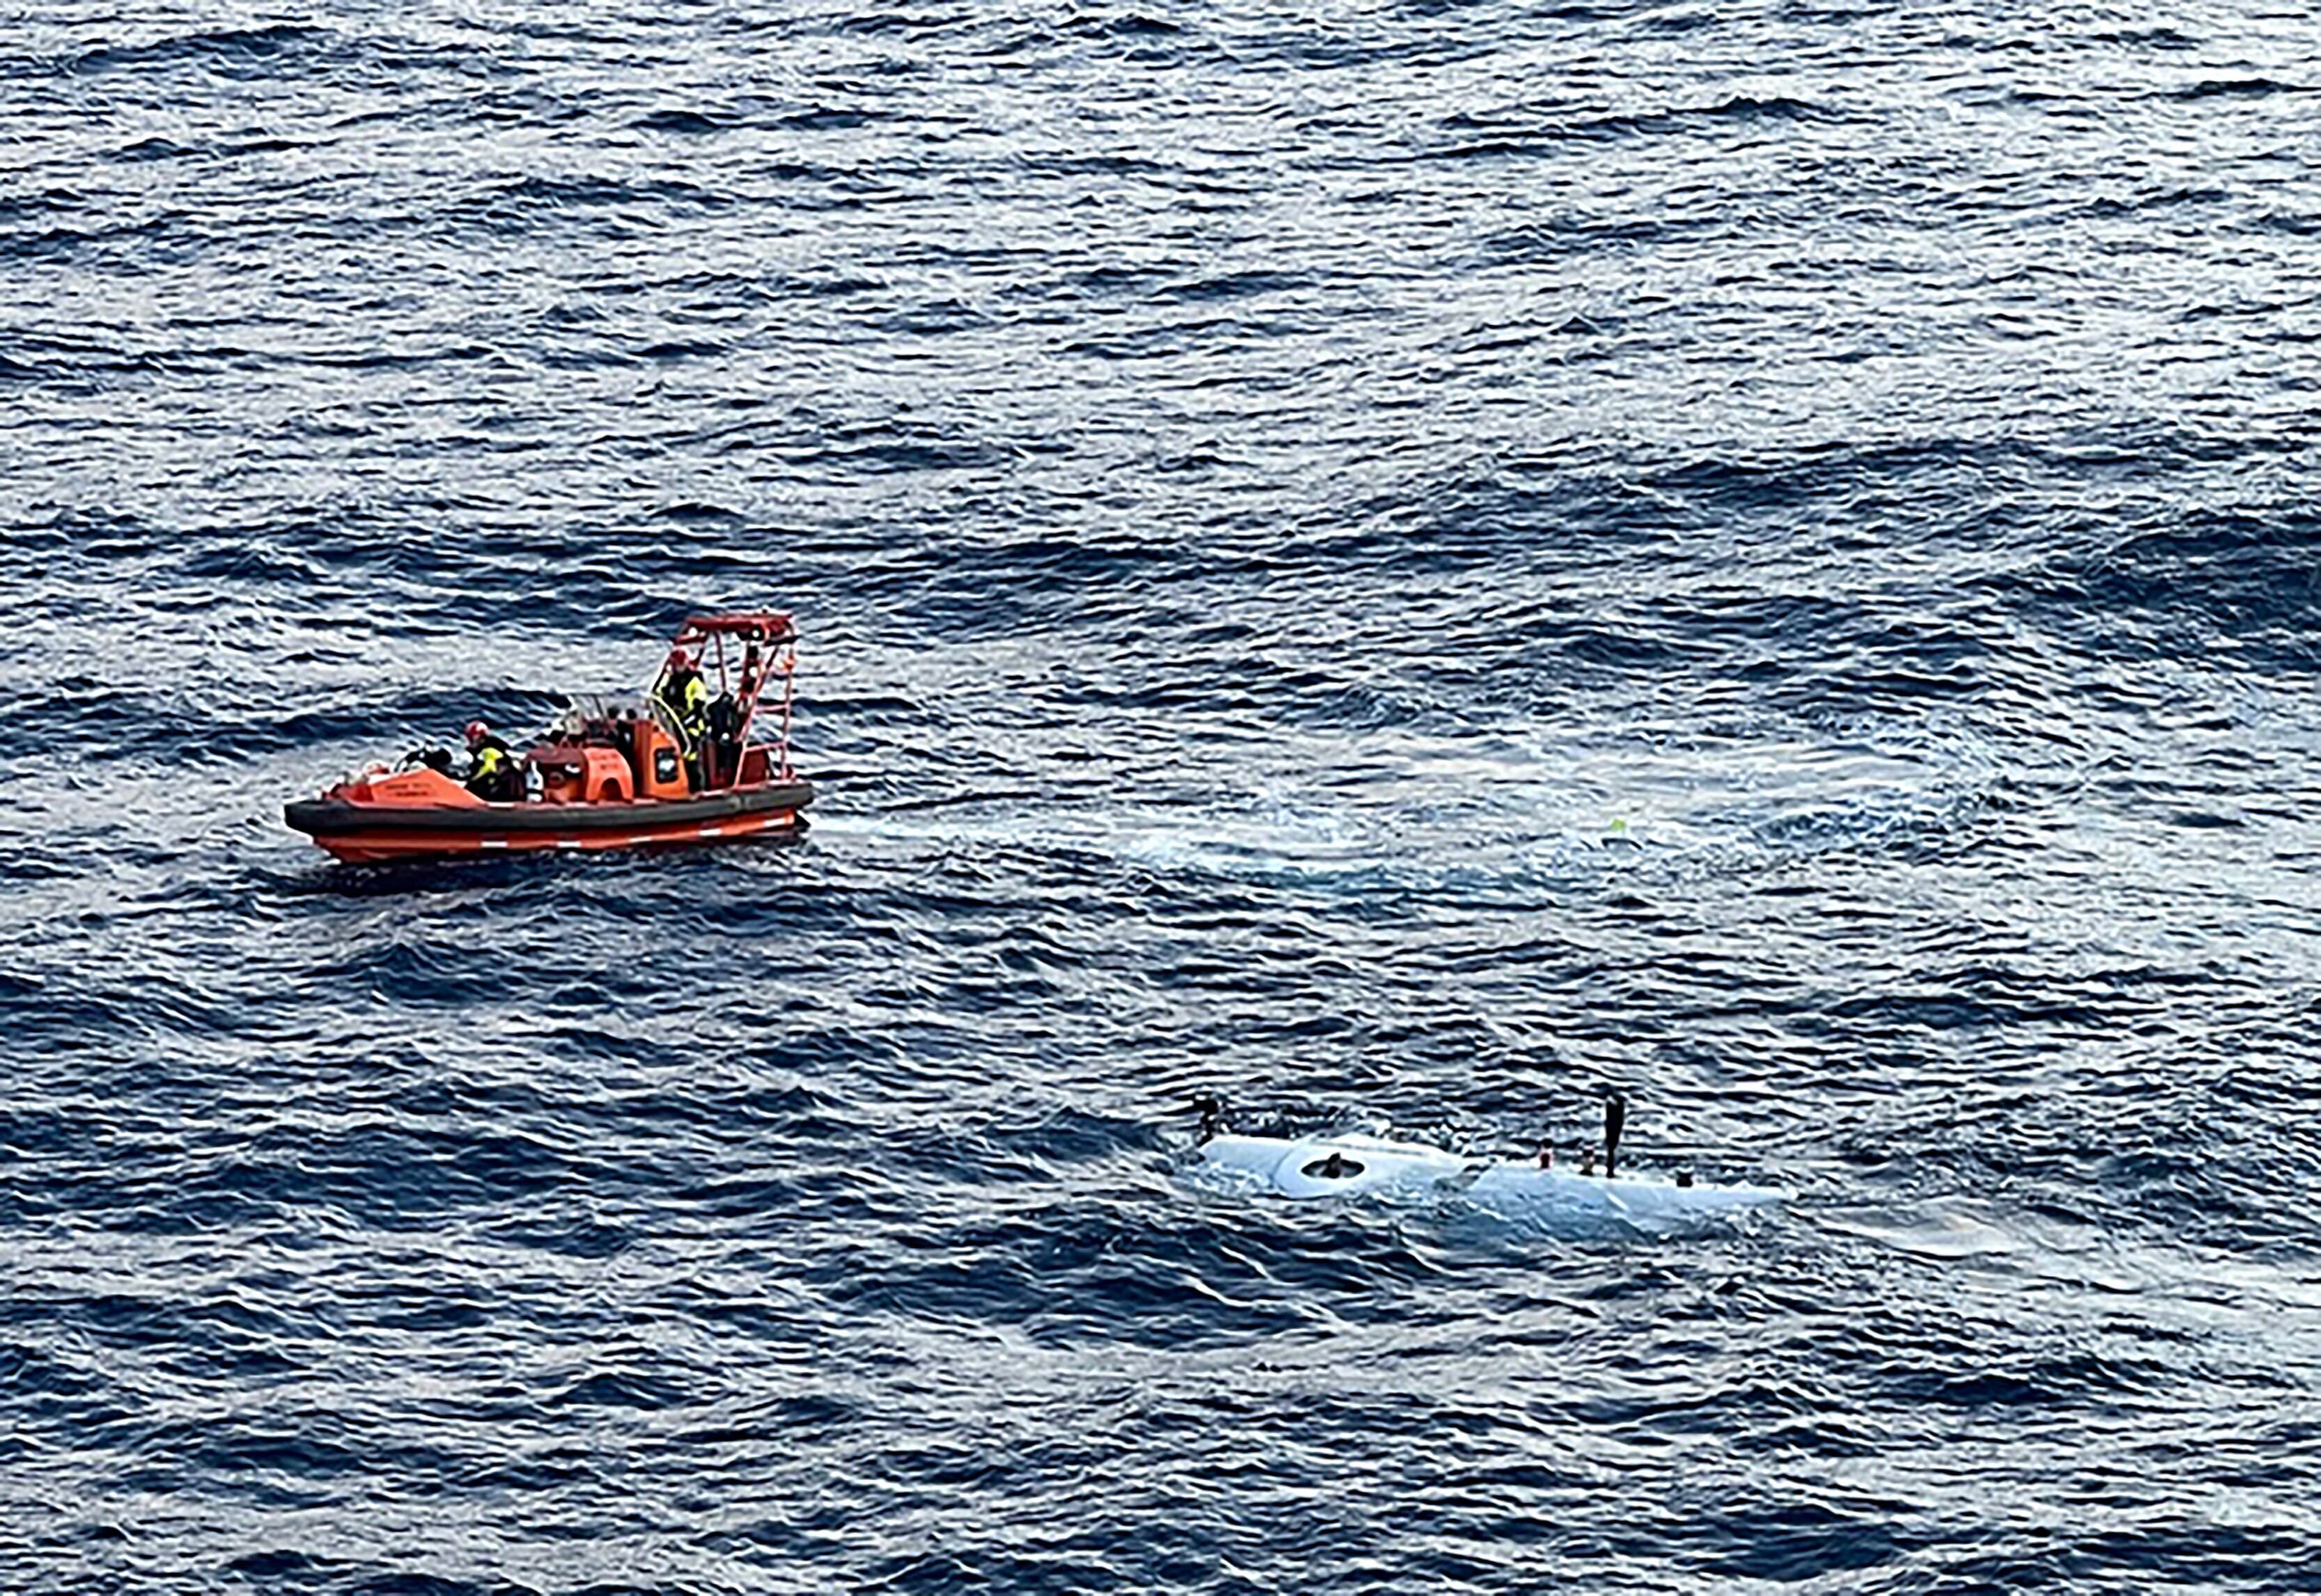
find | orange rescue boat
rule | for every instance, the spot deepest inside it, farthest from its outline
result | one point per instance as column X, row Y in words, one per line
column 609, row 774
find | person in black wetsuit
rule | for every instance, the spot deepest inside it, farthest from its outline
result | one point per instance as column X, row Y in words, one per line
column 721, row 753
column 1213, row 1116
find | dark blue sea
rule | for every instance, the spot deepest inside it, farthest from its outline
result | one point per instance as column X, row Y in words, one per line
column 1407, row 563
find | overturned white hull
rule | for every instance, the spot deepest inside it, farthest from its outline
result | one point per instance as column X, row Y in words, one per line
column 1627, row 1197
column 1309, row 1167
column 1304, row 1168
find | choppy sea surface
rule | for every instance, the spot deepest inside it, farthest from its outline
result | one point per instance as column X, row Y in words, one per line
column 1406, row 564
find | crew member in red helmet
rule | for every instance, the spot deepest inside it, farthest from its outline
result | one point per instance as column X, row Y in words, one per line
column 684, row 699
column 491, row 769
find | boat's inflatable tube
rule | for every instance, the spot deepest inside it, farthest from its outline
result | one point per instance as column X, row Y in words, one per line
column 423, row 814
column 1340, row 1165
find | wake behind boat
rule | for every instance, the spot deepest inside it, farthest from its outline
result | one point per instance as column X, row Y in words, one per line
column 680, row 767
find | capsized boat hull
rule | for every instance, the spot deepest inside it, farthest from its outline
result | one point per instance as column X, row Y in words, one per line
column 1626, row 1196
column 1342, row 1165
column 358, row 832
column 1303, row 1167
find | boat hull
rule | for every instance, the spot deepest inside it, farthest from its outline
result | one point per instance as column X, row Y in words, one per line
column 361, row 833
column 1348, row 1163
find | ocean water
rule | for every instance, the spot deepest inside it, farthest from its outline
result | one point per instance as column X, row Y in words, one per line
column 1404, row 563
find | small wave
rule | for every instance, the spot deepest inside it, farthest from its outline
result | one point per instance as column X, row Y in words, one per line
column 1102, row 164
column 828, row 119
column 2153, row 38
column 2238, row 88
column 686, row 122
column 1236, row 285
column 1133, row 25
column 240, row 51
column 596, row 192
column 692, row 514
column 1519, row 132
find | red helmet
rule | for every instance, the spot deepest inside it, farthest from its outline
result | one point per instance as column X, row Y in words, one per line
column 477, row 732
column 675, row 660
